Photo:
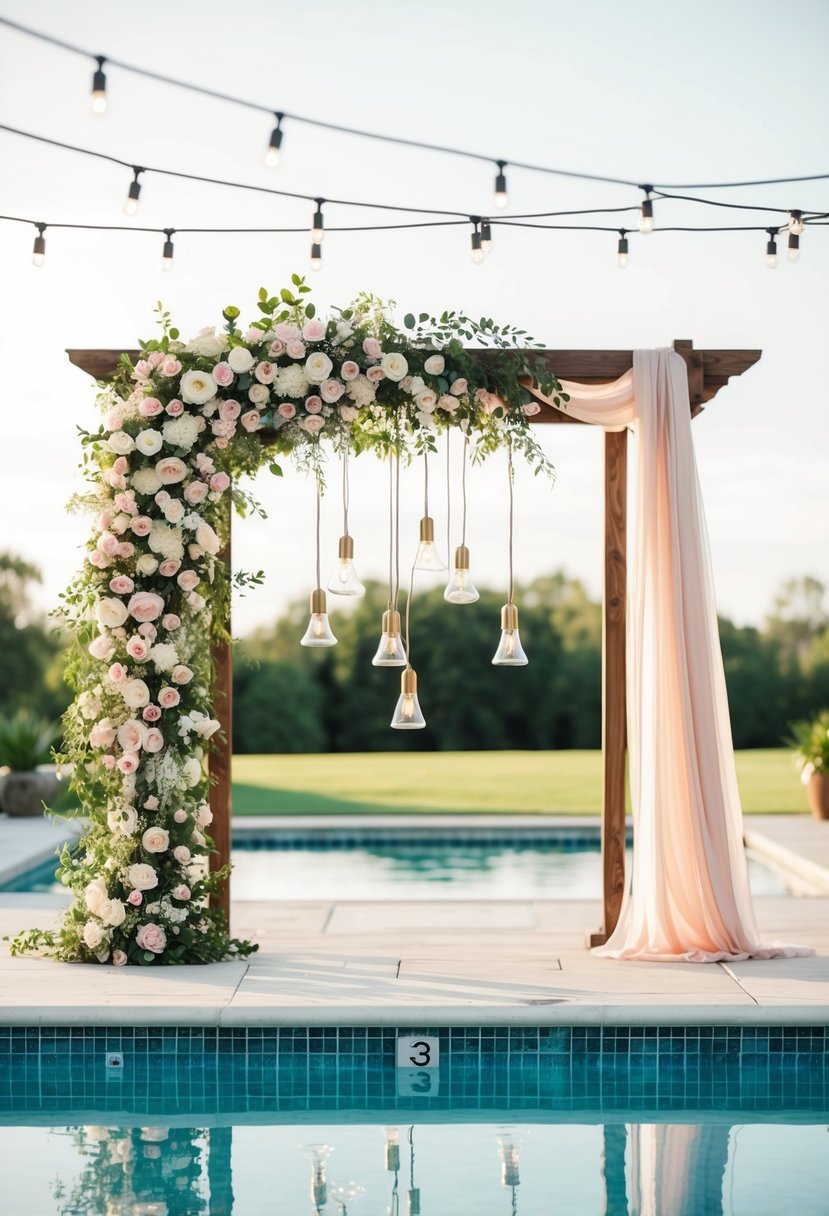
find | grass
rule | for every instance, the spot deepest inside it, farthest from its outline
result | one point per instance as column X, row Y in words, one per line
column 527, row 783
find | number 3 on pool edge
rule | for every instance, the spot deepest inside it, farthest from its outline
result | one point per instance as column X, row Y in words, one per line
column 424, row 1057
column 423, row 1052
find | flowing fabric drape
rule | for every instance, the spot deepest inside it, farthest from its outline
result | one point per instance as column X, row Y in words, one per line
column 689, row 899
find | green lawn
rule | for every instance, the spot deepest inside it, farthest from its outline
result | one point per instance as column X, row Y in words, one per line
column 530, row 783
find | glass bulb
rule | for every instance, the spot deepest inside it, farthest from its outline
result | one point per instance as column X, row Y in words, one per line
column 390, row 652
column 392, row 1149
column 622, row 260
column 131, row 206
column 501, row 199
column 771, row 260
column 794, row 255
column 98, row 101
column 478, row 256
column 272, row 158
column 427, row 557
column 167, row 264
column 316, row 256
column 486, row 235
column 318, row 632
column 460, row 589
column 646, row 223
column 38, row 259
column 344, row 580
column 510, row 652
column 796, row 223
column 407, row 713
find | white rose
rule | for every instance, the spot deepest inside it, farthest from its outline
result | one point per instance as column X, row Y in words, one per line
column 394, row 365
column 93, row 934
column 136, row 694
column 148, row 442
column 344, row 331
column 434, row 365
column 120, row 443
column 174, row 510
column 131, row 734
column 318, row 367
column 112, row 912
column 156, row 840
column 426, row 401
column 171, row 470
column 240, row 359
column 95, row 894
column 207, row 539
column 192, row 772
column 142, row 877
column 197, row 387
column 203, row 815
column 259, row 394
column 124, row 820
column 146, row 564
column 208, row 343
column 417, row 385
column 110, row 613
column 146, row 481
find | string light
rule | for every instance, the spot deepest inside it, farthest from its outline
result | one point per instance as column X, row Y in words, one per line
column 771, row 248
column 477, row 250
column 793, row 251
column 796, row 222
column 501, row 196
column 98, row 101
column 486, row 236
column 167, row 251
column 274, row 149
column 318, row 223
column 39, row 247
column 646, row 212
column 316, row 256
column 622, row 255
column 134, row 193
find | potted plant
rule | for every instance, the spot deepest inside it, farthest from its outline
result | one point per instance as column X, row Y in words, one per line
column 28, row 778
column 810, row 740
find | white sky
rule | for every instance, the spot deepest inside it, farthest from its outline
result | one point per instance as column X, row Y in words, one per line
column 684, row 91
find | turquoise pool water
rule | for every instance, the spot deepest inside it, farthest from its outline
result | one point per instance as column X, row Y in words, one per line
column 272, row 868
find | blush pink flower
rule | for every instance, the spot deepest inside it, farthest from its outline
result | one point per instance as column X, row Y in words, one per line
column 122, row 584
column 223, row 374
column 250, row 420
column 350, row 370
column 265, row 372
column 142, row 370
column 181, row 892
column 156, row 358
column 102, row 734
column 108, row 544
column 135, row 898
column 222, row 428
column 168, row 698
column 286, row 410
column 126, row 503
column 119, row 959
column 181, row 853
column 372, row 348
column 108, row 762
column 188, row 580
column 374, row 374
column 138, row 649
column 174, row 408
column 229, row 411
column 101, row 647
column 153, row 740
column 181, row 675
column 168, row 567
column 99, row 559
column 170, row 367
column 141, row 525
column 128, row 763
column 295, row 348
column 313, row 330
column 331, row 390
column 312, row 425
column 147, row 630
column 120, row 466
column 458, row 387
column 531, row 409
column 195, row 492
column 126, row 549
column 348, row 413
column 150, row 407
column 286, row 331
column 313, row 404
column 113, row 419
column 170, row 622
column 145, row 606
column 219, row 482
column 276, row 348
column 117, row 673
column 151, row 937
column 151, row 713
column 180, row 816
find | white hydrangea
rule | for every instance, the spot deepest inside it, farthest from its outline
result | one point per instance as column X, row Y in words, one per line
column 181, row 432
column 361, row 391
column 207, row 343
column 164, row 656
column 146, row 481
column 291, row 381
column 166, row 541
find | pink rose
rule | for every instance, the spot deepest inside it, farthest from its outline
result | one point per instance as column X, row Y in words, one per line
column 250, row 420
column 155, row 358
column 331, row 391
column 151, row 937
column 128, row 762
column 180, row 816
column 219, row 482
column 101, row 648
column 131, row 735
column 168, row 697
column 175, row 408
column 180, row 675
column 531, row 409
column 265, row 372
column 374, row 374
column 135, row 898
column 150, row 406
column 125, row 502
column 313, row 330
column 286, row 410
column 153, row 740
column 142, row 370
column 188, row 580
column 119, row 959
column 181, row 892
column 151, row 713
column 313, row 404
column 145, row 606
column 102, row 734
column 126, row 549
column 171, row 470
column 108, row 543
column 121, row 465
column 99, row 560
column 229, row 411
column 141, row 525
column 348, row 412
column 372, row 348
column 108, row 762
column 113, row 419
column 295, row 348
column 286, row 331
column 148, row 631
column 223, row 428
column 170, row 622
column 312, row 425
column 276, row 347
column 195, row 492
column 458, row 387
column 138, row 649
column 170, row 367
column 349, row 370
column 168, row 567
column 222, row 442
column 223, row 374
column 122, row 584
column 181, row 853
column 117, row 673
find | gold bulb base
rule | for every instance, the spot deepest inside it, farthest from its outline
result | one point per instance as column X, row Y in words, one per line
column 509, row 617
column 391, row 621
column 346, row 548
column 408, row 682
column 427, row 530
column 318, row 603
column 461, row 558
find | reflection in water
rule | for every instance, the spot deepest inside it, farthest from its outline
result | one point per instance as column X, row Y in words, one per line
column 139, row 1171
column 677, row 1169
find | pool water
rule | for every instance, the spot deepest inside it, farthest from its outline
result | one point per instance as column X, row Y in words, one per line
column 270, row 868
column 490, row 1168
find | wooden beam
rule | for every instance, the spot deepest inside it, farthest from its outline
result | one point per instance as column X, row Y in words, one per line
column 614, row 680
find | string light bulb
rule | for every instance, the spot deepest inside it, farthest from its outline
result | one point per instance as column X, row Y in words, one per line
column 486, row 236
column 39, row 247
column 318, row 223
column 477, row 251
column 427, row 557
column 501, row 196
column 460, row 589
column 319, row 632
column 167, row 251
column 316, row 256
column 98, row 100
column 134, row 193
column 622, row 254
column 793, row 250
column 796, row 222
column 510, row 652
column 273, row 152
column 344, row 580
column 391, row 651
column 771, row 248
column 407, row 713
column 646, row 213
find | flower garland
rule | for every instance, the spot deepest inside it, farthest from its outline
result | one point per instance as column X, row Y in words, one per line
column 179, row 428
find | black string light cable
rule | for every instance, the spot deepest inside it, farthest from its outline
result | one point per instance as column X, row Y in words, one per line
column 500, row 164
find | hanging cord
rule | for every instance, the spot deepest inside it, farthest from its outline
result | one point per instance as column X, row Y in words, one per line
column 396, row 526
column 411, row 1157
column 448, row 498
column 391, row 532
column 425, row 483
column 463, row 487
column 346, row 491
column 319, row 584
column 511, row 477
column 408, row 608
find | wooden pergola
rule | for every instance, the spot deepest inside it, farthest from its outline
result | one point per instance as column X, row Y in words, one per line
column 708, row 372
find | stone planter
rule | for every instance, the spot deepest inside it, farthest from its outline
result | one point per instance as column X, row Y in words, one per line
column 817, row 791
column 24, row 793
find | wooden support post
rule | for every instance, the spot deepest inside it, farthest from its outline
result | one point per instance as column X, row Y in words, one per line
column 221, row 753
column 614, row 710
column 695, row 364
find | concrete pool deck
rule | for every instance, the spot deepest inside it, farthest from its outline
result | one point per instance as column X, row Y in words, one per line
column 433, row 963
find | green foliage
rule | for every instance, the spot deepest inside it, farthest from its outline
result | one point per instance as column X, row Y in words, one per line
column 278, row 707
column 810, row 740
column 26, row 740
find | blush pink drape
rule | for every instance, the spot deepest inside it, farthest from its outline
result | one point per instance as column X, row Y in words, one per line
column 688, row 899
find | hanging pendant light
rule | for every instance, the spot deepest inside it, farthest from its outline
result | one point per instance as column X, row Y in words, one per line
column 407, row 713
column 427, row 557
column 413, row 1195
column 390, row 652
column 460, row 589
column 344, row 580
column 319, row 631
column 510, row 652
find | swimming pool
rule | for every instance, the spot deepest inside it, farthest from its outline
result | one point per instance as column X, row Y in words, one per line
column 386, row 866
